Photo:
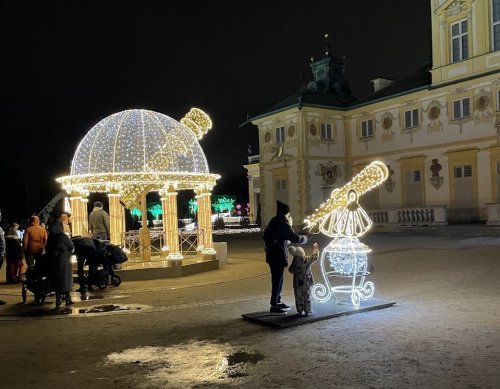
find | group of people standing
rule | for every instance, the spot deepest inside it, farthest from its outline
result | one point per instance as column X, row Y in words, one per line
column 37, row 245
column 49, row 251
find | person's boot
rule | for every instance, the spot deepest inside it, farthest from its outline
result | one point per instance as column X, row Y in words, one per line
column 68, row 299
column 58, row 300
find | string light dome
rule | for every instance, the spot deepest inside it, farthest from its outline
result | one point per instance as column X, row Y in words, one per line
column 133, row 149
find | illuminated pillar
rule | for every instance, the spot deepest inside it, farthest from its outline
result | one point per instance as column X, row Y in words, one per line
column 115, row 218
column 84, row 216
column 122, row 223
column 144, row 237
column 170, row 224
column 205, row 242
column 76, row 218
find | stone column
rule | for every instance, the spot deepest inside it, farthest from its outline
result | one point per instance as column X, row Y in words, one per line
column 144, row 237
column 115, row 219
column 170, row 226
column 205, row 242
column 252, row 215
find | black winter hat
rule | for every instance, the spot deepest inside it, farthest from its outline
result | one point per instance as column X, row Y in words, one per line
column 281, row 208
column 98, row 204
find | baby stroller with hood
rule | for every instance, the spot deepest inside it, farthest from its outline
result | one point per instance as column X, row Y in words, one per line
column 110, row 258
column 39, row 281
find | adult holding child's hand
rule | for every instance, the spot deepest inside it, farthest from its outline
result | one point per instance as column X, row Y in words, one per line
column 277, row 236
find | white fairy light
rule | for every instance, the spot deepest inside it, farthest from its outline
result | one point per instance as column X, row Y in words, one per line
column 137, row 148
column 342, row 217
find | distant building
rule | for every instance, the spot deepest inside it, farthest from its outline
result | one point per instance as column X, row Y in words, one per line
column 437, row 129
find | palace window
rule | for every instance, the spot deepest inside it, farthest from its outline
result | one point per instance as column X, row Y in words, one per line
column 462, row 171
column 416, row 176
column 459, row 41
column 280, row 134
column 326, row 131
column 411, row 118
column 281, row 190
column 495, row 6
column 461, row 108
column 366, row 128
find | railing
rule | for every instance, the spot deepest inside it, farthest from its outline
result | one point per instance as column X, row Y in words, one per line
column 132, row 242
column 254, row 158
column 417, row 216
column 188, row 242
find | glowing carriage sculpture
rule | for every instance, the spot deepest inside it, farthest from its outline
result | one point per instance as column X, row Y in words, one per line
column 342, row 218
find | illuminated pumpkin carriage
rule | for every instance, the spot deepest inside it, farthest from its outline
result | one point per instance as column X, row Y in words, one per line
column 344, row 262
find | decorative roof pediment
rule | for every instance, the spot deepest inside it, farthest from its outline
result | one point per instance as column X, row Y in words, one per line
column 454, row 7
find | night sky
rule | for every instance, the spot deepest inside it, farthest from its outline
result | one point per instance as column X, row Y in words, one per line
column 65, row 65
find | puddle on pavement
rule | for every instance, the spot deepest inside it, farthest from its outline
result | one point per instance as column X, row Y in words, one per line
column 107, row 308
column 33, row 310
column 235, row 362
column 87, row 297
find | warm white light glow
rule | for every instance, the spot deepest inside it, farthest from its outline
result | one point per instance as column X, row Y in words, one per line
column 370, row 177
column 134, row 149
column 197, row 121
column 345, row 258
column 133, row 152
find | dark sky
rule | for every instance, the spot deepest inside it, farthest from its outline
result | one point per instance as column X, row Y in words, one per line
column 65, row 65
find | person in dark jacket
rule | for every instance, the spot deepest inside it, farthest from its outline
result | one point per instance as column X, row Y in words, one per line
column 59, row 248
column 14, row 254
column 86, row 254
column 277, row 236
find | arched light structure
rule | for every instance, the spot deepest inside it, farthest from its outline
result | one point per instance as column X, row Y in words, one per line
column 133, row 152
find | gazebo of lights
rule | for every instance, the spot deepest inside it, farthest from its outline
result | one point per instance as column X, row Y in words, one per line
column 134, row 152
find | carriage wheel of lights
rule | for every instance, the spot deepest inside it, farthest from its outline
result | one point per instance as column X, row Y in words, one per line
column 133, row 152
column 342, row 218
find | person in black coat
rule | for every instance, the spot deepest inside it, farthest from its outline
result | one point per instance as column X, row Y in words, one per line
column 86, row 254
column 59, row 248
column 14, row 254
column 277, row 236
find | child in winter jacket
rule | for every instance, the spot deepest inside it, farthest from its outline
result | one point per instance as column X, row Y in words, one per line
column 302, row 277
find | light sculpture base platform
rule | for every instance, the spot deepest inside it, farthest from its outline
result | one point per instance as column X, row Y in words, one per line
column 322, row 311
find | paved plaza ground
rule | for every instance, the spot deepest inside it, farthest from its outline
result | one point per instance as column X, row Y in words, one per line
column 443, row 332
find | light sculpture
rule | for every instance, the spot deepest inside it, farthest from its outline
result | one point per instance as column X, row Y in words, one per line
column 198, row 121
column 345, row 257
column 133, row 152
column 137, row 148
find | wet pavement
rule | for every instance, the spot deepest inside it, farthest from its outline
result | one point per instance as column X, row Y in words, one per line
column 188, row 332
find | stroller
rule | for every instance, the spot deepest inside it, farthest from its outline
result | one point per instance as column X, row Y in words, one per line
column 38, row 281
column 110, row 258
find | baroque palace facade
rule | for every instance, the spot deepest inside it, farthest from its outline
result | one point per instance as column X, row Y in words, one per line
column 437, row 130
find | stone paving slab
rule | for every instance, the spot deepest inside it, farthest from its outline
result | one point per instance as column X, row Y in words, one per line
column 322, row 311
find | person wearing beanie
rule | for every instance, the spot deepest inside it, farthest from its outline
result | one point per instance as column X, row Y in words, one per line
column 277, row 236
column 99, row 222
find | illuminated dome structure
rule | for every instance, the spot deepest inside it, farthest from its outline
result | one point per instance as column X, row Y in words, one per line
column 133, row 152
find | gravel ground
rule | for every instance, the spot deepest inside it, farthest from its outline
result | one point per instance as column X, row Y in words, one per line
column 443, row 331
